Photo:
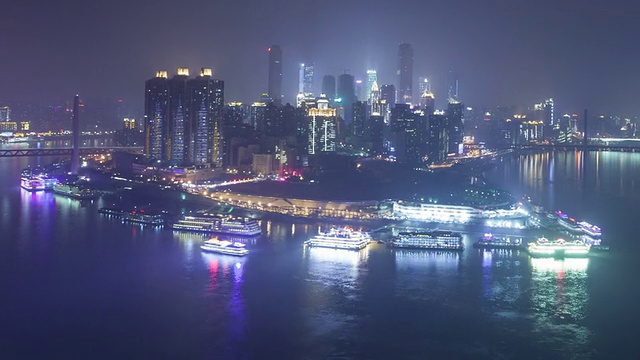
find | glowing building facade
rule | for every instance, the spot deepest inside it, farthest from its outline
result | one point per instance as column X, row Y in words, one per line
column 322, row 126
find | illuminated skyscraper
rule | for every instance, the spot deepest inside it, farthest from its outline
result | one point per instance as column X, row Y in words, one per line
column 372, row 77
column 424, row 85
column 156, row 118
column 307, row 80
column 388, row 97
column 206, row 102
column 322, row 125
column 405, row 73
column 183, row 118
column 275, row 74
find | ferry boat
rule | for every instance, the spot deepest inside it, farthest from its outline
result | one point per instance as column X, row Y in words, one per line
column 558, row 248
column 343, row 238
column 224, row 247
column 431, row 240
column 117, row 212
column 31, row 184
column 75, row 191
column 489, row 241
column 49, row 183
column 143, row 217
column 218, row 224
column 590, row 229
column 568, row 222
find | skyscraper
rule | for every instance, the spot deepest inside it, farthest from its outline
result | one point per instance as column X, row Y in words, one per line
column 156, row 117
column 206, row 102
column 455, row 123
column 329, row 87
column 424, row 85
column 322, row 124
column 275, row 74
column 183, row 118
column 372, row 77
column 388, row 97
column 5, row 113
column 453, row 86
column 347, row 95
column 405, row 73
column 307, row 80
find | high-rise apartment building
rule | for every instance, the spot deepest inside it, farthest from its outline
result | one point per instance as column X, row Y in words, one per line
column 405, row 73
column 183, row 118
column 275, row 74
column 322, row 126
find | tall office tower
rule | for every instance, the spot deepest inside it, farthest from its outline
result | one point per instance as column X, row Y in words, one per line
column 438, row 143
column 375, row 105
column 75, row 126
column 358, row 90
column 549, row 112
column 256, row 116
column 329, row 87
column 360, row 129
column 307, row 80
column 156, row 117
column 179, row 118
column 427, row 101
column 372, row 77
column 377, row 135
column 206, row 105
column 405, row 73
column 275, row 74
column 424, row 85
column 388, row 96
column 453, row 86
column 347, row 95
column 408, row 129
column 322, row 124
column 455, row 123
column 5, row 114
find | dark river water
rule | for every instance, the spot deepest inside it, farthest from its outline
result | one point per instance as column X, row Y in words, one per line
column 78, row 285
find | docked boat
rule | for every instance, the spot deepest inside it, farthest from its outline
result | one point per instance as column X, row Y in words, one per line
column 568, row 222
column 75, row 191
column 430, row 240
column 558, row 248
column 343, row 238
column 224, row 247
column 218, row 224
column 117, row 212
column 32, row 184
column 143, row 217
column 489, row 241
column 590, row 229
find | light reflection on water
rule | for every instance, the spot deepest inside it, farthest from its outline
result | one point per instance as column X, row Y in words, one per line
column 560, row 303
column 425, row 274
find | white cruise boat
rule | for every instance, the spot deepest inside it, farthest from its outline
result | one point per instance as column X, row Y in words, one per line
column 344, row 238
column 558, row 248
column 224, row 247
column 218, row 224
column 431, row 240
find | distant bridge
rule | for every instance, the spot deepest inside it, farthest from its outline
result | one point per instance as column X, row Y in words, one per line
column 67, row 151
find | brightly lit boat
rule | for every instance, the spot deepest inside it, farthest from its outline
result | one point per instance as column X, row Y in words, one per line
column 224, row 247
column 559, row 248
column 218, row 224
column 489, row 241
column 343, row 238
column 74, row 191
column 31, row 184
column 431, row 240
column 590, row 229
column 568, row 222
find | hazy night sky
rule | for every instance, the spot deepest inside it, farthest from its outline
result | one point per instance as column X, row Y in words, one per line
column 507, row 52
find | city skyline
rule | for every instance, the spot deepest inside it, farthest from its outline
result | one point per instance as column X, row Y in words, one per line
column 501, row 53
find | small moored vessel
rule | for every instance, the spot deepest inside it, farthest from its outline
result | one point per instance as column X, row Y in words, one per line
column 489, row 241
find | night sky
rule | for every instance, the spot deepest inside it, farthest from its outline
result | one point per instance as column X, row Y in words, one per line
column 507, row 52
